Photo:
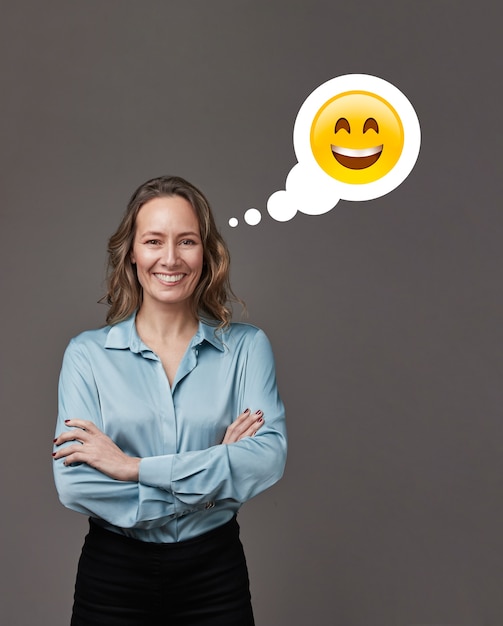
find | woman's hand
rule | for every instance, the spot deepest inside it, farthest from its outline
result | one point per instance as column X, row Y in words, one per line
column 245, row 425
column 96, row 449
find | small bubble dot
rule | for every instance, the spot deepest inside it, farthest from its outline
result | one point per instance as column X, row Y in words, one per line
column 233, row 222
column 253, row 217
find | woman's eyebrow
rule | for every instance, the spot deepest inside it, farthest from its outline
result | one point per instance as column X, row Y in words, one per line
column 190, row 233
column 153, row 233
column 156, row 233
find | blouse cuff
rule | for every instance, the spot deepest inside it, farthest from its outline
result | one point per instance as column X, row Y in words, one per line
column 155, row 471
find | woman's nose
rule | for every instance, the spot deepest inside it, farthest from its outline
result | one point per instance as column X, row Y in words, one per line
column 171, row 255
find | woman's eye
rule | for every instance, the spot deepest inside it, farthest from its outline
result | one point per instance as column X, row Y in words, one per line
column 187, row 242
column 153, row 242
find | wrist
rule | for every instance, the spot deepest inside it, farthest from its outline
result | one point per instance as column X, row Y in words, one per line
column 132, row 470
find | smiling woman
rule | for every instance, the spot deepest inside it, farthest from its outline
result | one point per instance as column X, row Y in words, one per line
column 213, row 293
column 167, row 251
column 153, row 439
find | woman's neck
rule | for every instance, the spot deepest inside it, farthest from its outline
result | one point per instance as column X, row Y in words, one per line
column 165, row 324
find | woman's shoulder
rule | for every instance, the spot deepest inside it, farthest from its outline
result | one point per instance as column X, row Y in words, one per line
column 244, row 328
column 116, row 335
column 243, row 334
column 241, row 330
column 92, row 337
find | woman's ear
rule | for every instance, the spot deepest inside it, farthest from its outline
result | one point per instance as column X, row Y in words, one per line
column 131, row 258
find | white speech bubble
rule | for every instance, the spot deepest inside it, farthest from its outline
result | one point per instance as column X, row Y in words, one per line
column 309, row 189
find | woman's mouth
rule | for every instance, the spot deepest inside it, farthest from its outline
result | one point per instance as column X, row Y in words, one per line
column 169, row 278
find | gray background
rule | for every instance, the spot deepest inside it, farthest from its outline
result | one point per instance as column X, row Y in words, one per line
column 385, row 315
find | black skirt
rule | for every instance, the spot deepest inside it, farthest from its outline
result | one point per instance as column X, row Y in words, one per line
column 199, row 582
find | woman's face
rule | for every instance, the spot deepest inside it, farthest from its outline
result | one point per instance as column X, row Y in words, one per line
column 167, row 251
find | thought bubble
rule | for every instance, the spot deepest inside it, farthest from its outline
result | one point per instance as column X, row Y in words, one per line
column 356, row 137
column 252, row 217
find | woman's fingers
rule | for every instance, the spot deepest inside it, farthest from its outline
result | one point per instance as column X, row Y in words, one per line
column 80, row 431
column 96, row 449
column 83, row 424
column 245, row 425
column 254, row 426
column 72, row 451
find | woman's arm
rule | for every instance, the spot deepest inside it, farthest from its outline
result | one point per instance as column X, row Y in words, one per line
column 93, row 475
column 88, row 444
column 240, row 470
column 81, row 487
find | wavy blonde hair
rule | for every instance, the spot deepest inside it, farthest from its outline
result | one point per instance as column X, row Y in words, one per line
column 213, row 294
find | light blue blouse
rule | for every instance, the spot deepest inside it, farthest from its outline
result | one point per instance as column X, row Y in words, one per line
column 189, row 483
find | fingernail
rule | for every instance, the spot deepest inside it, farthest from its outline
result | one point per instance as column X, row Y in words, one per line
column 246, row 411
column 54, row 440
column 53, row 454
column 66, row 421
column 260, row 419
column 259, row 413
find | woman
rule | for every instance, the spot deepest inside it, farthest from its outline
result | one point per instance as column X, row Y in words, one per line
column 148, row 443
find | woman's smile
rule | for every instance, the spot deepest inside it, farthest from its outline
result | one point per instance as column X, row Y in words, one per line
column 167, row 251
column 169, row 278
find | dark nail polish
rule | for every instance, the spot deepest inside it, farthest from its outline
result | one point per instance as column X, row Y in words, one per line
column 53, row 454
column 259, row 413
column 260, row 419
column 66, row 421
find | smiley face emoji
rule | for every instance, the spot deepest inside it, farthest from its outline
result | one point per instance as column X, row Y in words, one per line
column 357, row 137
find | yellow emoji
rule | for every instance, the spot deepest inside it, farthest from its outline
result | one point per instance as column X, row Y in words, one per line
column 357, row 137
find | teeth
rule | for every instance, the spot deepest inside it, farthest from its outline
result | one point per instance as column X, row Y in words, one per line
column 366, row 152
column 169, row 278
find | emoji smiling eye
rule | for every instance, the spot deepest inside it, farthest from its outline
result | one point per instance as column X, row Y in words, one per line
column 342, row 123
column 370, row 124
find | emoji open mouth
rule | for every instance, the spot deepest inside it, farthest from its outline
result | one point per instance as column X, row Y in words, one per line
column 356, row 159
